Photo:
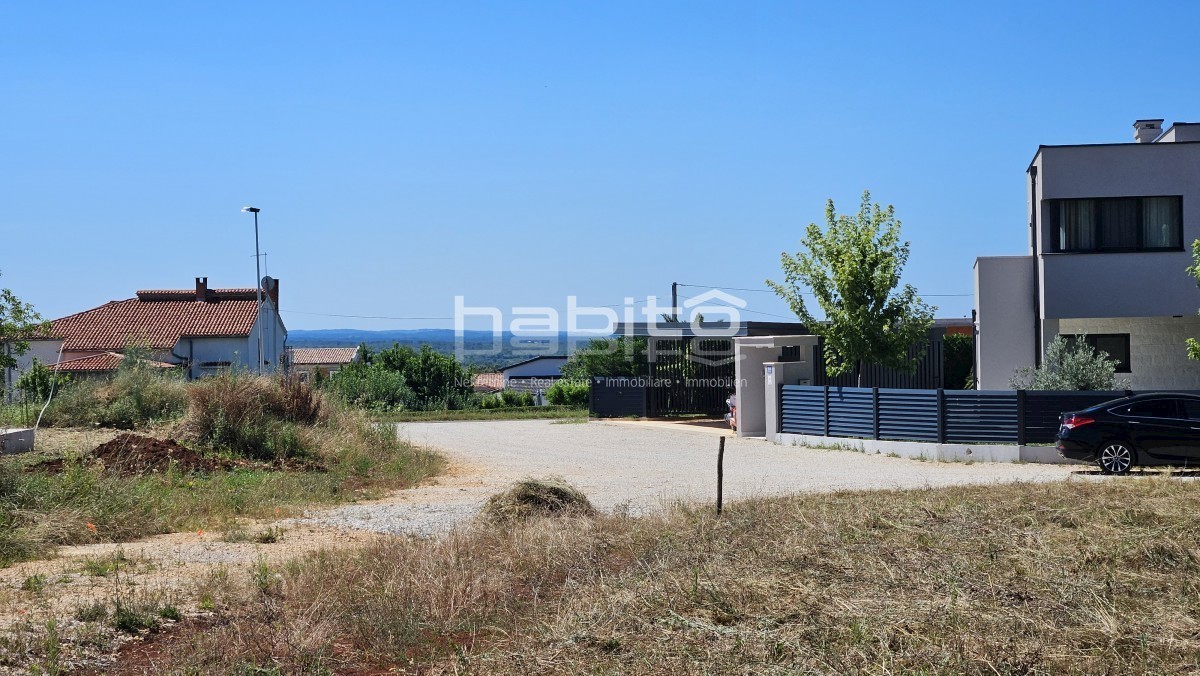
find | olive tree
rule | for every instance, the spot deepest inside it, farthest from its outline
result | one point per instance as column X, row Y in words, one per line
column 1070, row 365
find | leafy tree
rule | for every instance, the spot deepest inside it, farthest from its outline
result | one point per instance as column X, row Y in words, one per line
column 1070, row 365
column 620, row 356
column 853, row 269
column 18, row 323
column 401, row 377
column 1193, row 346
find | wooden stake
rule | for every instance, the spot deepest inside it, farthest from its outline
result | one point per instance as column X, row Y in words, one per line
column 720, row 472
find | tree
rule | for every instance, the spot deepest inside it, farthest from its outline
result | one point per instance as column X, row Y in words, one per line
column 1070, row 365
column 1193, row 346
column 853, row 269
column 18, row 323
column 620, row 356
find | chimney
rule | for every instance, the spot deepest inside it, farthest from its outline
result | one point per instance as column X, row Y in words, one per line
column 1145, row 131
column 201, row 289
column 272, row 290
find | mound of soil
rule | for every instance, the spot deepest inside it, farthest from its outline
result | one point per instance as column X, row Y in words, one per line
column 135, row 455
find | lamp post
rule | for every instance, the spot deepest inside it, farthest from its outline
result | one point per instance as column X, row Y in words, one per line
column 257, row 287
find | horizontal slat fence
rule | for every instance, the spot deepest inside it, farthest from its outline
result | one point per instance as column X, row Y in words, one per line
column 908, row 415
column 851, row 412
column 804, row 410
column 974, row 416
column 947, row 416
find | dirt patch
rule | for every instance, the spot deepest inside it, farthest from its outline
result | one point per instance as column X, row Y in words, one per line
column 137, row 455
column 134, row 454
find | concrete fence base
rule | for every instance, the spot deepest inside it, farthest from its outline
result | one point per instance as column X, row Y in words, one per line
column 932, row 451
column 16, row 440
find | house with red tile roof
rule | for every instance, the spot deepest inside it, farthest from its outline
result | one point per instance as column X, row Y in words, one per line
column 202, row 330
column 305, row 361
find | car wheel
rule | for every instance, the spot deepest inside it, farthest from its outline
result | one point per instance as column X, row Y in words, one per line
column 1115, row 457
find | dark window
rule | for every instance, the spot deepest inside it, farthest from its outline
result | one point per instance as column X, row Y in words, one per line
column 1155, row 408
column 1117, row 224
column 1191, row 407
column 1115, row 345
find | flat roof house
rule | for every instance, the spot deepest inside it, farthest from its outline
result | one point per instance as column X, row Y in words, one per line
column 201, row 329
column 1110, row 231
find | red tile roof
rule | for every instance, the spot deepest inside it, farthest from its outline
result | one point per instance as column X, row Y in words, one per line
column 323, row 355
column 105, row 361
column 158, row 319
column 488, row 382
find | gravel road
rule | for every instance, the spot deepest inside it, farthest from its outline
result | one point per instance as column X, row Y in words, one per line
column 640, row 467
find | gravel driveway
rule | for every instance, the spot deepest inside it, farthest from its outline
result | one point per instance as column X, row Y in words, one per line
column 638, row 466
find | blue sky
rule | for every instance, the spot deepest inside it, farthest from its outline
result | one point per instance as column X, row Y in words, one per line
column 515, row 153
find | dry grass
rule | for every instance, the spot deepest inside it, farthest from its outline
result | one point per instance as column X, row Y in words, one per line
column 532, row 498
column 1047, row 578
column 343, row 457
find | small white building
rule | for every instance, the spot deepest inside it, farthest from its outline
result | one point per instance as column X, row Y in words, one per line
column 304, row 362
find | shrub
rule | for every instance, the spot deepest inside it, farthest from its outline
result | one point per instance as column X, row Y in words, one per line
column 137, row 396
column 514, row 398
column 1070, row 365
column 402, row 378
column 256, row 416
column 569, row 393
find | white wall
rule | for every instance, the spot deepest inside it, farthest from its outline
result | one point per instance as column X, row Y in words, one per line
column 1157, row 356
column 751, row 354
column 1004, row 291
column 239, row 351
column 274, row 336
column 46, row 351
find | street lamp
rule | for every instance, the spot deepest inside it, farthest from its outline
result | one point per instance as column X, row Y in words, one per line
column 257, row 286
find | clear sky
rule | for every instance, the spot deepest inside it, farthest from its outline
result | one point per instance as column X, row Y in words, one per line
column 515, row 153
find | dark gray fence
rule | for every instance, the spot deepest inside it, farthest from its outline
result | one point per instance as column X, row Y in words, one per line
column 949, row 416
column 618, row 397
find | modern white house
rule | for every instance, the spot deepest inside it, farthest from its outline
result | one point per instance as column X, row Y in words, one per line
column 1111, row 227
column 202, row 330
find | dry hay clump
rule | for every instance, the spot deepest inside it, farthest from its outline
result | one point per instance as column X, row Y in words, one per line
column 532, row 498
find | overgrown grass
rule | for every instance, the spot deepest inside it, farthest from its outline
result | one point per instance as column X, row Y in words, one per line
column 1074, row 577
column 515, row 413
column 239, row 416
column 137, row 396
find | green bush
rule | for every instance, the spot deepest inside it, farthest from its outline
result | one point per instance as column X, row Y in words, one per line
column 1070, row 365
column 568, row 393
column 137, row 396
column 400, row 378
column 514, row 399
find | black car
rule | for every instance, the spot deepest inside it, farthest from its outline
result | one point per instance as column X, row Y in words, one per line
column 1145, row 429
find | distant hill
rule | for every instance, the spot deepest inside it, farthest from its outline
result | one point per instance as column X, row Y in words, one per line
column 442, row 340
